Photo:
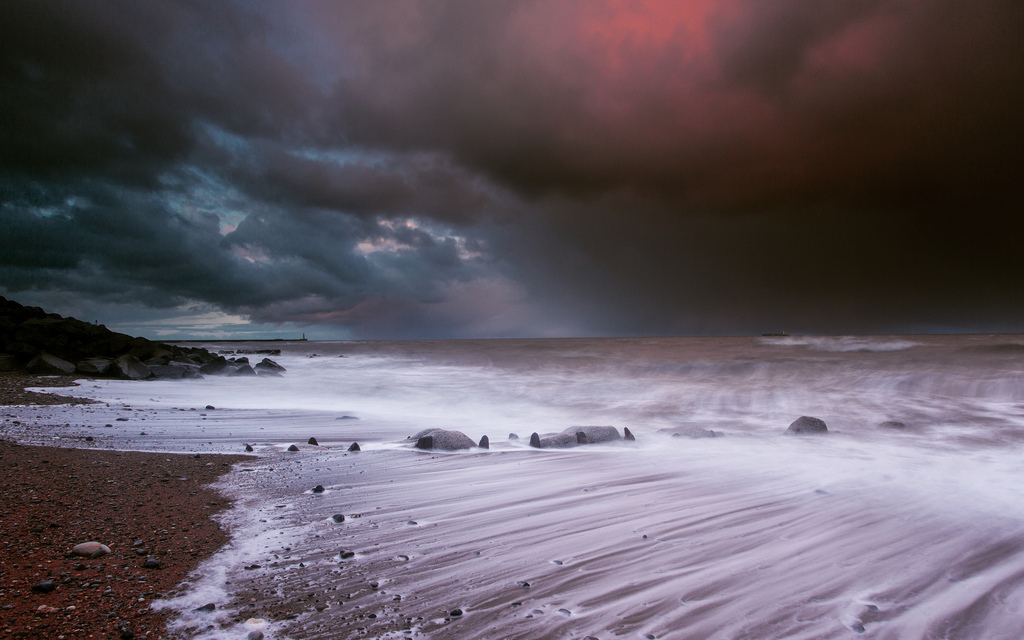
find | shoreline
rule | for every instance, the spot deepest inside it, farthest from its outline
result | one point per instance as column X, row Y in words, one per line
column 53, row 498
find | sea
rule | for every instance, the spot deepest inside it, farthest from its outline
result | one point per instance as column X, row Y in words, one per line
column 904, row 520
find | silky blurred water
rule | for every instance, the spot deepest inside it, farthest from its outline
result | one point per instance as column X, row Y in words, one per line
column 911, row 532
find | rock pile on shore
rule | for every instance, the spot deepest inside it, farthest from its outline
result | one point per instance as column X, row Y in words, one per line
column 49, row 344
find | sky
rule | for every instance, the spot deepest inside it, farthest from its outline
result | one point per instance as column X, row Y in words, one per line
column 549, row 168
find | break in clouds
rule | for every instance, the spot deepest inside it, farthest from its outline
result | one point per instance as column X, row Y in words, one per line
column 461, row 169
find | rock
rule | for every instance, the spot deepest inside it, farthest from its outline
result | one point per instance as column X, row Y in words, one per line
column 293, row 448
column 269, row 366
column 90, row 550
column 593, row 435
column 130, row 367
column 628, row 435
column 485, row 443
column 892, row 424
column 210, row 407
column 455, row 613
column 8, row 362
column 442, row 440
column 513, row 436
column 93, row 366
column 217, row 367
column 807, row 424
column 346, row 554
column 166, row 372
column 554, row 441
column 354, row 447
column 699, row 432
column 581, row 437
column 254, row 635
column 313, row 442
column 318, row 488
column 152, row 563
column 47, row 365
column 45, row 586
column 206, row 608
column 338, row 518
column 248, row 448
column 346, row 418
column 125, row 631
column 242, row 370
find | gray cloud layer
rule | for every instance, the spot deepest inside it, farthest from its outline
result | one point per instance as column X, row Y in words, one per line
column 530, row 168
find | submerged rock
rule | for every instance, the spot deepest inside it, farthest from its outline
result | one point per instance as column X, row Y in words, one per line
column 293, row 448
column 338, row 518
column 892, row 424
column 248, row 448
column 313, row 442
column 318, row 488
column 628, row 435
column 354, row 447
column 442, row 439
column 807, row 424
column 513, row 436
column 485, row 443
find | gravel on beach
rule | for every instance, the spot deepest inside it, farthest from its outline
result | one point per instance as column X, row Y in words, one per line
column 140, row 505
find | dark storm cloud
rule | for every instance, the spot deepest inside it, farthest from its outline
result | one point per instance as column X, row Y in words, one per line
column 465, row 168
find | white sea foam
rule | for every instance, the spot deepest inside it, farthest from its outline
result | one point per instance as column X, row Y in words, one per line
column 904, row 533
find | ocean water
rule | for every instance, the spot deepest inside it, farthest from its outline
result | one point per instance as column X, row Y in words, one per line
column 872, row 531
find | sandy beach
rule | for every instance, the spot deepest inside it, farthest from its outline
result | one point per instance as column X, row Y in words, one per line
column 54, row 498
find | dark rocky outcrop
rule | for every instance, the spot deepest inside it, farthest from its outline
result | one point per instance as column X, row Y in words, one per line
column 807, row 425
column 48, row 344
column 354, row 447
column 484, row 443
column 442, row 439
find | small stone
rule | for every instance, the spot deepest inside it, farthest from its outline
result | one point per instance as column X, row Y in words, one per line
column 206, row 608
column 46, row 586
column 455, row 613
column 535, row 440
column 210, row 407
column 412, row 523
column 318, row 488
column 338, row 518
column 524, row 584
column 151, row 563
column 138, row 543
column 858, row 627
column 88, row 438
column 346, row 554
column 293, row 448
column 142, row 551
column 320, row 606
column 248, row 448
column 485, row 443
column 374, row 584
column 513, row 436
column 196, row 455
column 313, row 442
column 565, row 612
column 628, row 435
column 354, row 447
column 36, row 529
column 255, row 635
column 125, row 631
column 90, row 550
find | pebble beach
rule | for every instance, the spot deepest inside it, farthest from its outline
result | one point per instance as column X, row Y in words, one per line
column 142, row 506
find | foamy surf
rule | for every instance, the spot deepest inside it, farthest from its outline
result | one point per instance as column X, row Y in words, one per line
column 890, row 532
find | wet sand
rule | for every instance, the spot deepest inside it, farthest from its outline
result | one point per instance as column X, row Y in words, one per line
column 54, row 498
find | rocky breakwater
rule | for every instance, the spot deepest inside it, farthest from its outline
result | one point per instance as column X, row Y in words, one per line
column 44, row 343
